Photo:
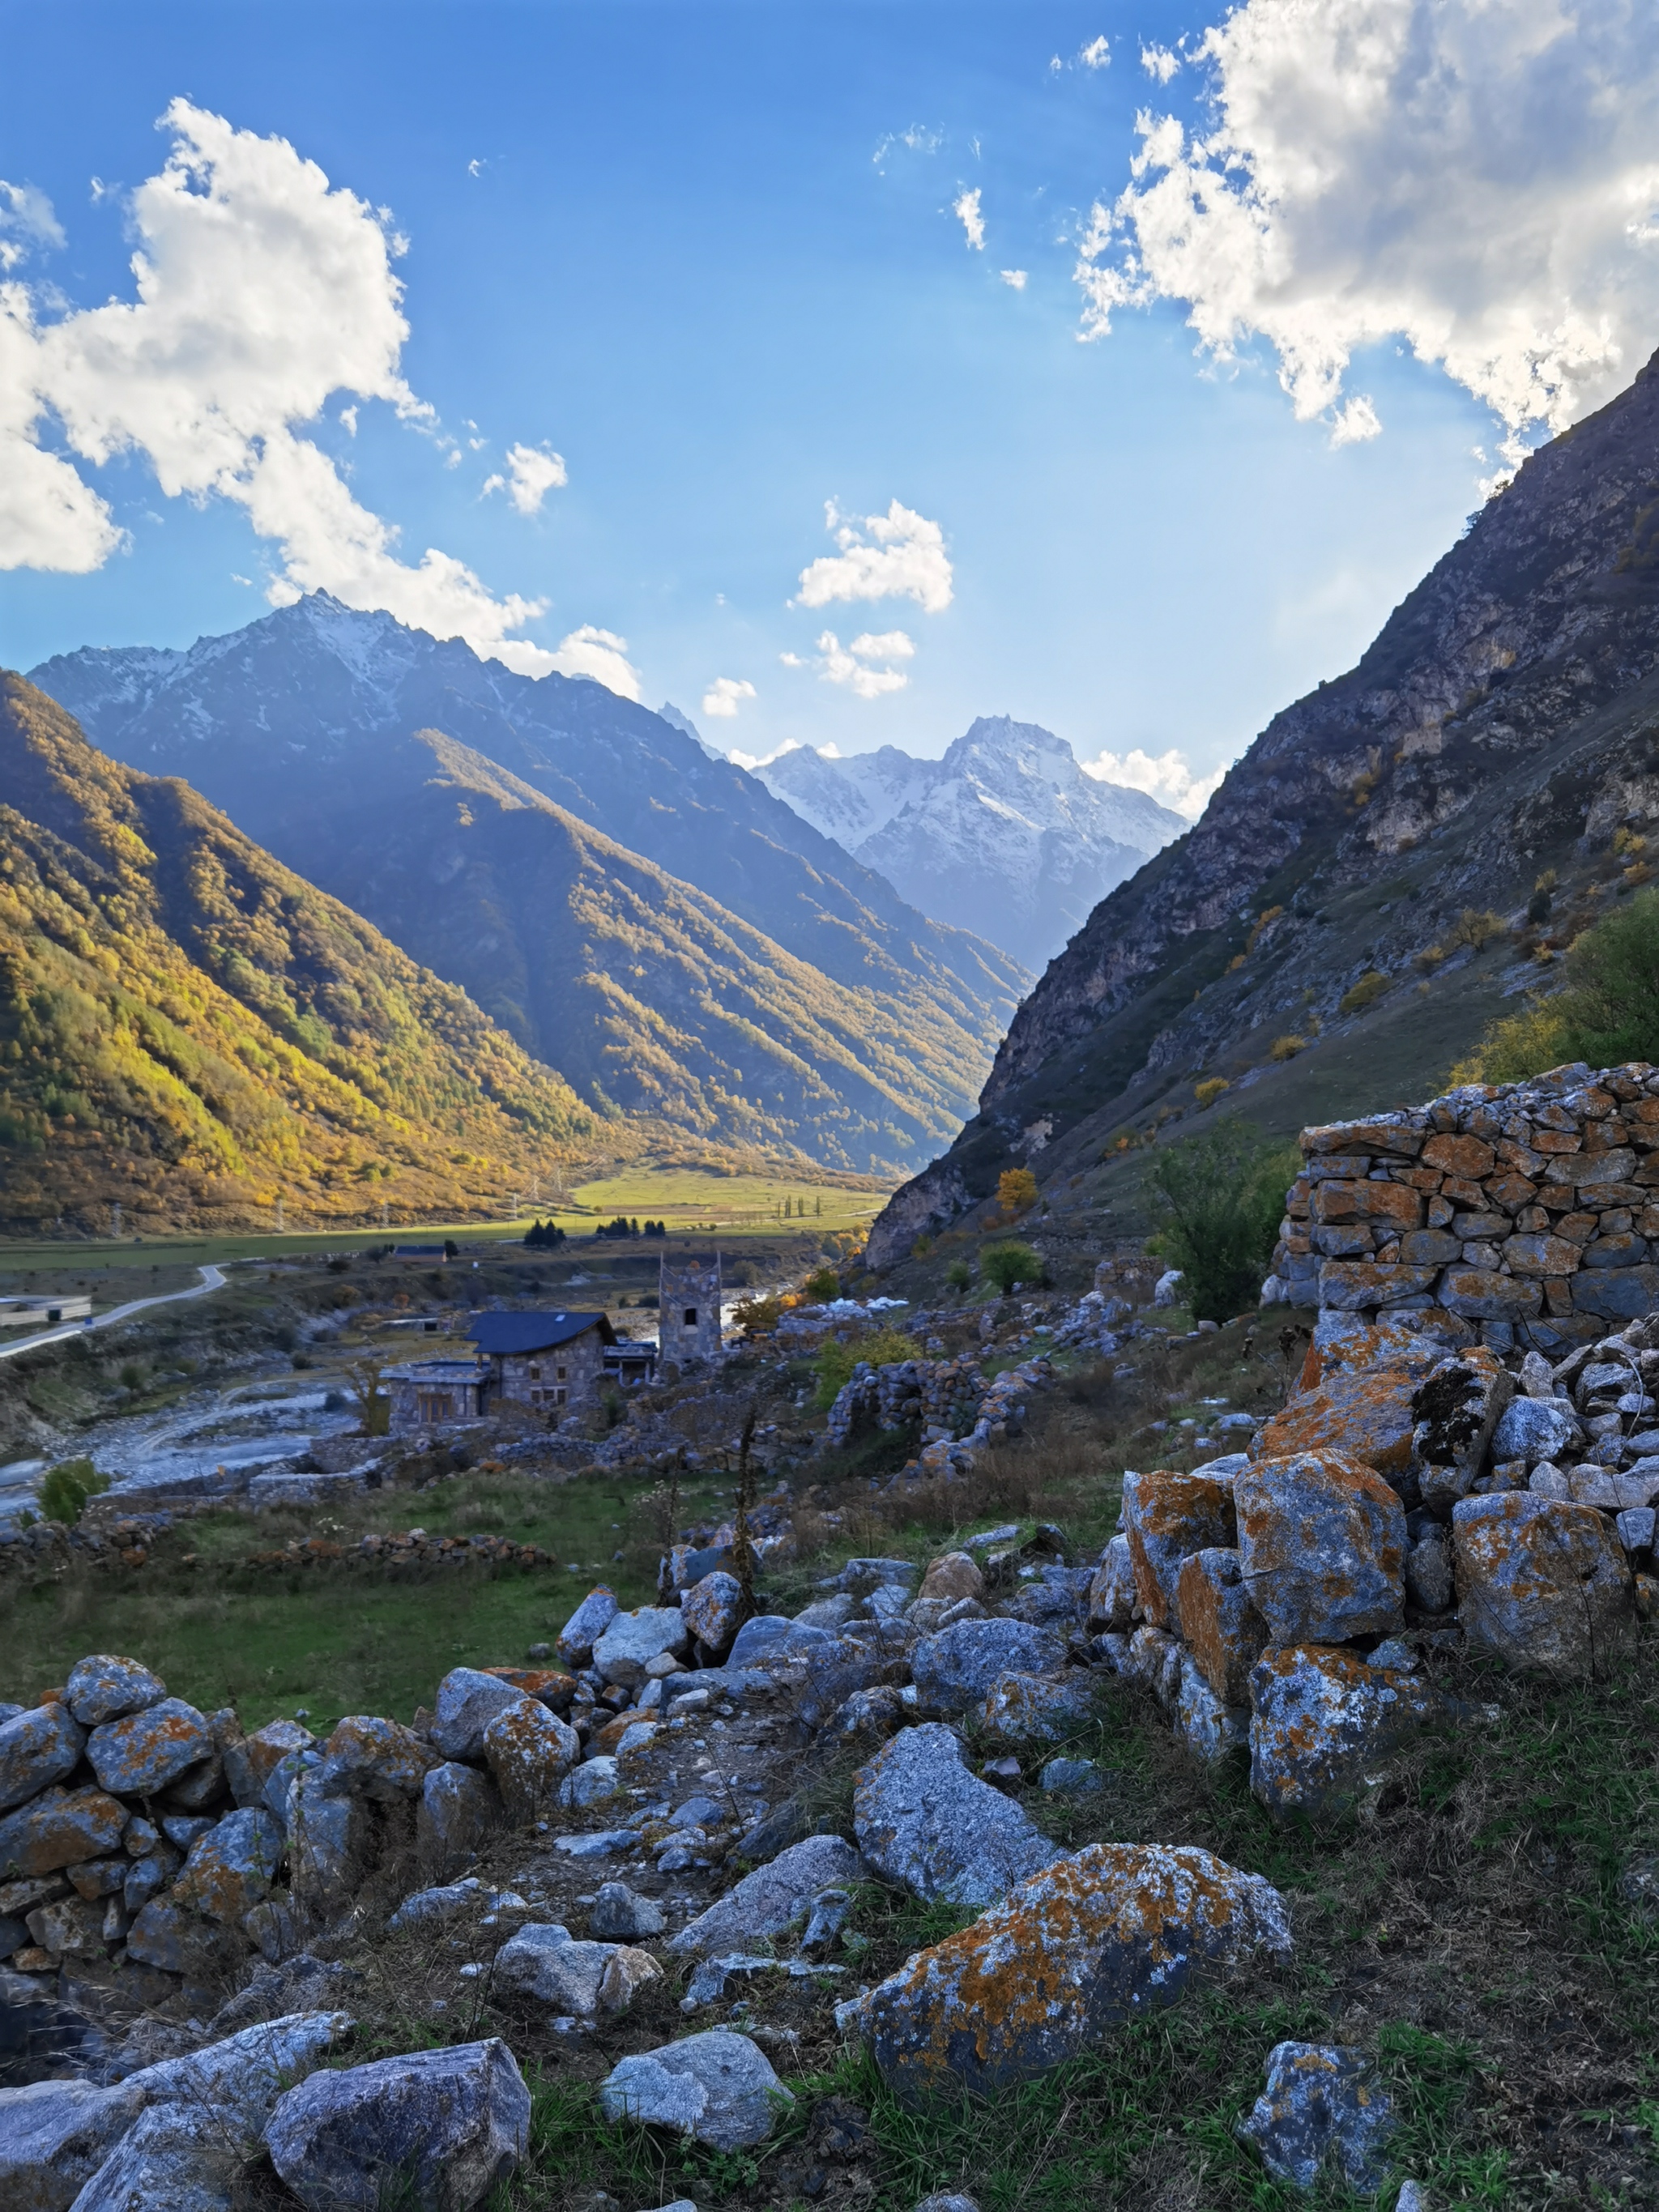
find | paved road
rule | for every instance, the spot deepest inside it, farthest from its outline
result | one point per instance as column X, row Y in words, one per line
column 212, row 1280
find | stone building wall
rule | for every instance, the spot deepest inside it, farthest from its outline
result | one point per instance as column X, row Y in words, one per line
column 1529, row 1212
column 689, row 1285
column 564, row 1378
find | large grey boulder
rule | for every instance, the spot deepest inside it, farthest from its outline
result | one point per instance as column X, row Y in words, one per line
column 544, row 1962
column 54, row 2135
column 240, row 2078
column 444, row 2125
column 467, row 1701
column 1542, row 1583
column 175, row 2158
column 959, row 1666
column 530, row 1751
column 143, row 1751
column 457, row 1808
column 924, row 1822
column 1325, row 1724
column 1090, row 1943
column 764, row 1903
column 632, row 1640
column 586, row 1626
column 1536, row 1429
column 717, row 2087
column 103, row 1688
column 38, row 1746
column 1323, row 2109
column 775, row 1636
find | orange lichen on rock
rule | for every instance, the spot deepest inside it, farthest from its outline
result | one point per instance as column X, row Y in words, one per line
column 1069, row 1955
column 1168, row 1516
column 1364, row 1412
column 1321, row 1541
column 1221, row 1625
column 1541, row 1583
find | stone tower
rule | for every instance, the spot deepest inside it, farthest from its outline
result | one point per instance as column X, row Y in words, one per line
column 689, row 1311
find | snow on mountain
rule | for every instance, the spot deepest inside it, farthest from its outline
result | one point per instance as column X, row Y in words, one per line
column 1005, row 835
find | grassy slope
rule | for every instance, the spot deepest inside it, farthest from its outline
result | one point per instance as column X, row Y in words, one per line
column 187, row 1027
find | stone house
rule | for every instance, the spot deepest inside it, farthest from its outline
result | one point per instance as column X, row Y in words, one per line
column 551, row 1363
column 689, row 1309
column 432, row 1394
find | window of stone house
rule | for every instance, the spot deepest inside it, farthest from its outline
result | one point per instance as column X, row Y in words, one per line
column 535, row 1374
column 560, row 1372
column 690, row 1316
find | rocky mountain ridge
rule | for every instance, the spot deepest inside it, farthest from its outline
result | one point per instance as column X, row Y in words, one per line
column 1503, row 725
column 1005, row 828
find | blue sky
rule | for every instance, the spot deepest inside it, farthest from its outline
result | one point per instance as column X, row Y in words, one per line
column 708, row 255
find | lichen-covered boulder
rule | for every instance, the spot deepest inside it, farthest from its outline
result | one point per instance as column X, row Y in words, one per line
column 467, row 1701
column 712, row 1609
column 329, row 1834
column 1323, row 2110
column 1112, row 1598
column 142, row 1752
column 1324, row 1725
column 102, row 1687
column 1458, row 1406
column 60, row 1829
column 530, row 1751
column 1026, row 1708
column 457, row 1808
column 38, row 1746
column 1218, row 1618
column 717, row 2087
column 924, row 1822
column 1208, row 1726
column 251, row 1761
column 165, row 1935
column 957, row 1668
column 449, row 2124
column 595, row 1613
column 1541, row 1583
column 772, row 1637
column 232, row 1867
column 379, row 1759
column 1365, row 1413
column 1067, row 1956
column 766, row 1902
column 1167, row 1517
column 632, row 1640
column 1322, row 1545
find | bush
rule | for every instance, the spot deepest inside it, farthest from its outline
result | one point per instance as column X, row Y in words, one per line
column 66, row 1488
column 755, row 1316
column 1286, row 1047
column 1477, row 929
column 958, row 1275
column 1016, row 1191
column 883, row 1347
column 1220, row 1196
column 823, row 1285
column 1007, row 1266
column 370, row 1398
column 1607, row 1013
column 1210, row 1090
column 1365, row 992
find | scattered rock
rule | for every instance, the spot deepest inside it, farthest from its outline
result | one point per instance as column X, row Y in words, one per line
column 717, row 2087
column 530, row 1750
column 1321, row 1544
column 468, row 1700
column 589, row 1784
column 1535, row 1429
column 1028, row 1709
column 1166, row 1517
column 1070, row 1777
column 1112, row 1588
column 1542, row 1583
column 632, row 1640
column 1429, row 1584
column 586, row 1626
column 1323, row 2109
column 39, row 1747
column 954, row 1576
column 453, row 2122
column 104, row 1688
column 958, row 1667
column 621, row 1914
column 923, row 1821
column 143, row 1751
column 1325, row 1725
column 457, row 1809
column 764, row 1903
column 1089, row 1943
column 545, row 1962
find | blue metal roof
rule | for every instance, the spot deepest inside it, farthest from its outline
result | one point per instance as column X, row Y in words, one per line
column 495, row 1334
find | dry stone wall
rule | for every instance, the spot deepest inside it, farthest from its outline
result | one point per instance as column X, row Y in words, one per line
column 1528, row 1214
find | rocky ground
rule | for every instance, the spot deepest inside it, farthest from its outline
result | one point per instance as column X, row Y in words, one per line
column 979, row 1858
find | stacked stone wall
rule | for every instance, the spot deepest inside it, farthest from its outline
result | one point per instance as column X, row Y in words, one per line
column 1528, row 1213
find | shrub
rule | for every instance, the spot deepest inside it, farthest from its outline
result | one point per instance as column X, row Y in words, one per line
column 1016, row 1191
column 1005, row 1266
column 1286, row 1047
column 958, row 1275
column 1220, row 1197
column 755, row 1316
column 1210, row 1090
column 1477, row 929
column 823, row 1285
column 1365, row 992
column 1429, row 958
column 1607, row 1012
column 372, row 1400
column 66, row 1488
column 883, row 1347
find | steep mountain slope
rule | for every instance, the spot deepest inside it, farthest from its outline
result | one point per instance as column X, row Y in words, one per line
column 1005, row 834
column 284, row 722
column 1504, row 724
column 654, row 998
column 189, row 1029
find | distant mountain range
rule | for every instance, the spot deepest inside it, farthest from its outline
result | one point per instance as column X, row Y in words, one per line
column 648, row 919
column 191, row 1031
column 1005, row 835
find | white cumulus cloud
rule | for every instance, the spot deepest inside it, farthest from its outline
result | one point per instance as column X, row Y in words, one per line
column 1013, row 278
column 897, row 555
column 965, row 207
column 1160, row 61
column 260, row 290
column 532, row 472
column 27, row 220
column 1166, row 777
column 1097, row 55
column 724, row 695
column 1477, row 178
column 851, row 665
column 599, row 654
